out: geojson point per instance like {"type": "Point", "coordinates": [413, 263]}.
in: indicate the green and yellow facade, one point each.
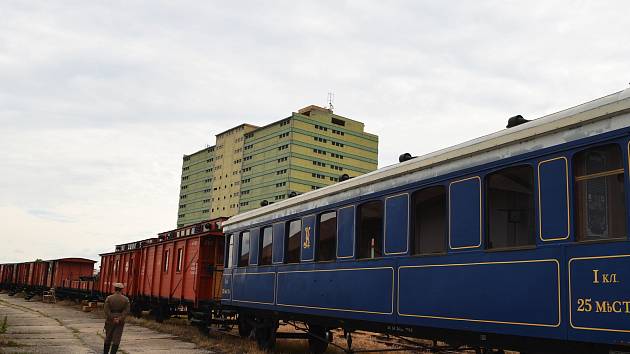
{"type": "Point", "coordinates": [249, 166]}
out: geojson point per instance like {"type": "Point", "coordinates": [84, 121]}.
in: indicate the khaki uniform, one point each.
{"type": "Point", "coordinates": [116, 307]}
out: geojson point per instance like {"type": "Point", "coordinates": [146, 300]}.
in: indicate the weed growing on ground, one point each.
{"type": "Point", "coordinates": [3, 326]}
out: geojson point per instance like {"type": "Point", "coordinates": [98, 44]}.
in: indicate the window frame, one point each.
{"type": "Point", "coordinates": [358, 227]}
{"type": "Point", "coordinates": [318, 239]}
{"type": "Point", "coordinates": [412, 223]}
{"type": "Point", "coordinates": [261, 238]}
{"type": "Point", "coordinates": [287, 238]}
{"type": "Point", "coordinates": [623, 159]}
{"type": "Point", "coordinates": [240, 248]}
{"type": "Point", "coordinates": [180, 260]}
{"type": "Point", "coordinates": [486, 211]}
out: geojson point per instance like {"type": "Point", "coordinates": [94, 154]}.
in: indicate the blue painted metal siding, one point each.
{"type": "Point", "coordinates": [360, 290]}
{"type": "Point", "coordinates": [345, 232]}
{"type": "Point", "coordinates": [465, 213]}
{"type": "Point", "coordinates": [397, 224]}
{"type": "Point", "coordinates": [254, 245]}
{"type": "Point", "coordinates": [255, 288]}
{"type": "Point", "coordinates": [519, 292]}
{"type": "Point", "coordinates": [553, 199]}
{"type": "Point", "coordinates": [279, 236]}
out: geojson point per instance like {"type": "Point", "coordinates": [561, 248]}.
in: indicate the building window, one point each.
{"type": "Point", "coordinates": [370, 230]}
{"type": "Point", "coordinates": [266, 246]}
{"type": "Point", "coordinates": [327, 242]}
{"type": "Point", "coordinates": [293, 241]}
{"type": "Point", "coordinates": [510, 207]}
{"type": "Point", "coordinates": [600, 208]}
{"type": "Point", "coordinates": [243, 260]}
{"type": "Point", "coordinates": [180, 259]}
{"type": "Point", "coordinates": [166, 261]}
{"type": "Point", "coordinates": [429, 220]}
{"type": "Point", "coordinates": [338, 122]}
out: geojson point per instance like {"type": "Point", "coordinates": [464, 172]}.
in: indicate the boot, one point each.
{"type": "Point", "coordinates": [114, 348]}
{"type": "Point", "coordinates": [106, 348]}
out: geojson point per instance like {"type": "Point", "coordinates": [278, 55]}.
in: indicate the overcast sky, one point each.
{"type": "Point", "coordinates": [100, 100]}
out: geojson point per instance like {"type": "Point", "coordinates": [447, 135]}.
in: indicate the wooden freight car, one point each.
{"type": "Point", "coordinates": [70, 277]}
{"type": "Point", "coordinates": [181, 271]}
{"type": "Point", "coordinates": [120, 266]}
{"type": "Point", "coordinates": [7, 274]}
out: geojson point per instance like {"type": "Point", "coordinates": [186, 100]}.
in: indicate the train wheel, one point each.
{"type": "Point", "coordinates": [244, 327]}
{"type": "Point", "coordinates": [317, 343]}
{"type": "Point", "coordinates": [265, 337]}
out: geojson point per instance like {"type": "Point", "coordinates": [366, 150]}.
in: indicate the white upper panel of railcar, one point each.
{"type": "Point", "coordinates": [591, 118]}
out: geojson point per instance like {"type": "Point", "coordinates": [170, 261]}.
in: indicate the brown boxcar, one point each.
{"type": "Point", "coordinates": [62, 272]}
{"type": "Point", "coordinates": [120, 266]}
{"type": "Point", "coordinates": [7, 275]}
{"type": "Point", "coordinates": [182, 268]}
{"type": "Point", "coordinates": [37, 274]}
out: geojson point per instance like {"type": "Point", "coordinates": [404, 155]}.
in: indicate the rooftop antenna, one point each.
{"type": "Point", "coordinates": [331, 99]}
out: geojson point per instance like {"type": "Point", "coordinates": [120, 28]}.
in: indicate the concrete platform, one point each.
{"type": "Point", "coordinates": [37, 327]}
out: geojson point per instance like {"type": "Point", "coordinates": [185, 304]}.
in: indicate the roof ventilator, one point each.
{"type": "Point", "coordinates": [515, 121]}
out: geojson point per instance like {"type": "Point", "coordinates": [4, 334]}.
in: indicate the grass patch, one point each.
{"type": "Point", "coordinates": [4, 325]}
{"type": "Point", "coordinates": [10, 344]}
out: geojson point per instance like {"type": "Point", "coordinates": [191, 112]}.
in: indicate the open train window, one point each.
{"type": "Point", "coordinates": [266, 246]}
{"type": "Point", "coordinates": [510, 207]}
{"type": "Point", "coordinates": [293, 241]}
{"type": "Point", "coordinates": [429, 223]}
{"type": "Point", "coordinates": [600, 208]}
{"type": "Point", "coordinates": [327, 242]}
{"type": "Point", "coordinates": [180, 259]}
{"type": "Point", "coordinates": [230, 252]}
{"type": "Point", "coordinates": [243, 259]}
{"type": "Point", "coordinates": [370, 230]}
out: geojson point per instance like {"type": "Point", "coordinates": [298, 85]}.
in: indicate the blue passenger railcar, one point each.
{"type": "Point", "coordinates": [517, 240]}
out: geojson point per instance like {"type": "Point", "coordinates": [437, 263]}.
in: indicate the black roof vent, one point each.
{"type": "Point", "coordinates": [515, 121]}
{"type": "Point", "coordinates": [405, 157]}
{"type": "Point", "coordinates": [264, 203]}
{"type": "Point", "coordinates": [292, 194]}
{"type": "Point", "coordinates": [344, 177]}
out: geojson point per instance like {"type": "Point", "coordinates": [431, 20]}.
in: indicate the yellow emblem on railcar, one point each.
{"type": "Point", "coordinates": [307, 237]}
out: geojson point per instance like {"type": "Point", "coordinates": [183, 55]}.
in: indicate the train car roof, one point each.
{"type": "Point", "coordinates": [533, 135]}
{"type": "Point", "coordinates": [72, 259]}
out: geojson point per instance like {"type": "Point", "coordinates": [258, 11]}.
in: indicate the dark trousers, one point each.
{"type": "Point", "coordinates": [113, 332]}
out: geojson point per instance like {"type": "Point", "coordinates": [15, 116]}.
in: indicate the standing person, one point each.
{"type": "Point", "coordinates": [116, 310]}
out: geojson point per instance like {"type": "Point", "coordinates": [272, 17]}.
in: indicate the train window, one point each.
{"type": "Point", "coordinates": [180, 259]}
{"type": "Point", "coordinates": [230, 252]}
{"type": "Point", "coordinates": [267, 245]}
{"type": "Point", "coordinates": [293, 241]}
{"type": "Point", "coordinates": [429, 220]}
{"type": "Point", "coordinates": [326, 244]}
{"type": "Point", "coordinates": [243, 260]}
{"type": "Point", "coordinates": [370, 229]}
{"type": "Point", "coordinates": [510, 207]}
{"type": "Point", "coordinates": [166, 261]}
{"type": "Point", "coordinates": [600, 209]}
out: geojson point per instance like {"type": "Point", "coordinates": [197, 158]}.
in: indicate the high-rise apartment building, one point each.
{"type": "Point", "coordinates": [250, 166]}
{"type": "Point", "coordinates": [310, 149]}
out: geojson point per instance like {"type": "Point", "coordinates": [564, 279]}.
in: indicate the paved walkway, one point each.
{"type": "Point", "coordinates": [36, 327]}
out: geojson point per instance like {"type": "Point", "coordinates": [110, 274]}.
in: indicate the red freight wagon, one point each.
{"type": "Point", "coordinates": [120, 266]}
{"type": "Point", "coordinates": [22, 274]}
{"type": "Point", "coordinates": [7, 273]}
{"type": "Point", "coordinates": [37, 273]}
{"type": "Point", "coordinates": [182, 269]}
{"type": "Point", "coordinates": [65, 270]}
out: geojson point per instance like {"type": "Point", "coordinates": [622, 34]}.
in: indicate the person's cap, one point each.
{"type": "Point", "coordinates": [119, 286]}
